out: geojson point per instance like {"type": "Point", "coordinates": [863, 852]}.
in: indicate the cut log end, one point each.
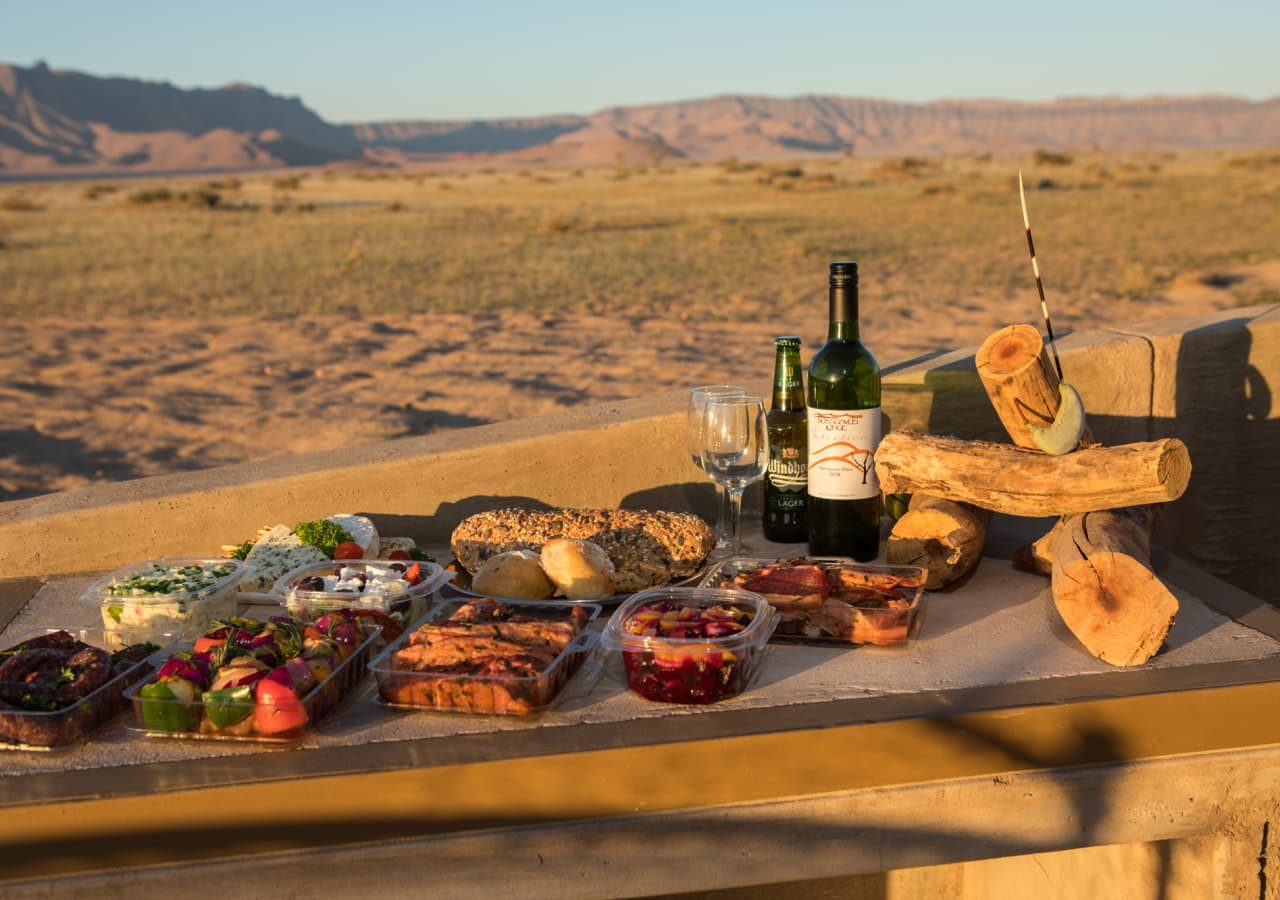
{"type": "Point", "coordinates": [945, 538]}
{"type": "Point", "coordinates": [1104, 589]}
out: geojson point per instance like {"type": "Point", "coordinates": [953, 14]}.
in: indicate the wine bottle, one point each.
{"type": "Point", "coordinates": [844, 431]}
{"type": "Point", "coordinates": [786, 519]}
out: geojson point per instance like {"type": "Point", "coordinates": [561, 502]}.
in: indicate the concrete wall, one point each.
{"type": "Point", "coordinates": [1210, 381]}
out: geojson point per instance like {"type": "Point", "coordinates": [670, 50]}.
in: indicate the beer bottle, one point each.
{"type": "Point", "coordinates": [785, 504]}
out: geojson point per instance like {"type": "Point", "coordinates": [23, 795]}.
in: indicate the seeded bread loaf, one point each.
{"type": "Point", "coordinates": [647, 548]}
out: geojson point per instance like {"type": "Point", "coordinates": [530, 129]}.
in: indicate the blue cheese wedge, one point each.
{"type": "Point", "coordinates": [277, 551]}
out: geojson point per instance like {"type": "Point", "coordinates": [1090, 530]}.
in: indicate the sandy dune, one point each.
{"type": "Point", "coordinates": [117, 399]}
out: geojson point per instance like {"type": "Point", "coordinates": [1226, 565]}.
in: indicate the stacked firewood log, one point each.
{"type": "Point", "coordinates": [1097, 554]}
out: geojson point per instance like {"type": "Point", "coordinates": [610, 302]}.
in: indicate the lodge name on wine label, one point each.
{"type": "Point", "coordinates": [842, 446]}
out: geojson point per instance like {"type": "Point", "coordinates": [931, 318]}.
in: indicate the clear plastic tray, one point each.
{"type": "Point", "coordinates": [406, 606]}
{"type": "Point", "coordinates": [690, 669]}
{"type": "Point", "coordinates": [316, 703]}
{"type": "Point", "coordinates": [25, 729]}
{"type": "Point", "coordinates": [452, 689]}
{"type": "Point", "coordinates": [188, 614]}
{"type": "Point", "coordinates": [840, 618]}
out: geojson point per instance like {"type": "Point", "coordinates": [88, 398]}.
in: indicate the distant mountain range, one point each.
{"type": "Point", "coordinates": [58, 121]}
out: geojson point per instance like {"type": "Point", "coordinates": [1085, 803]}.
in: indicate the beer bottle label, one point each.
{"type": "Point", "coordinates": [787, 470]}
{"type": "Point", "coordinates": [842, 446]}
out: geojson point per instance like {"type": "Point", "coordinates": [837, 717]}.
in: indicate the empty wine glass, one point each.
{"type": "Point", "coordinates": [693, 441]}
{"type": "Point", "coordinates": [735, 451]}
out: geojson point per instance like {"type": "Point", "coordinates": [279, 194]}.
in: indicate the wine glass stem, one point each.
{"type": "Point", "coordinates": [735, 521]}
{"type": "Point", "coordinates": [722, 517]}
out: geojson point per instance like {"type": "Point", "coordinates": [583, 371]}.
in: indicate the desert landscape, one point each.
{"type": "Point", "coordinates": [164, 324]}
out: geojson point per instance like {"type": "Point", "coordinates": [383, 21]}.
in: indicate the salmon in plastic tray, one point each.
{"type": "Point", "coordinates": [832, 600]}
{"type": "Point", "coordinates": [489, 657]}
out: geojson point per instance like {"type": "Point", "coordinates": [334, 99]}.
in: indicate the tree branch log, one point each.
{"type": "Point", "coordinates": [1020, 482]}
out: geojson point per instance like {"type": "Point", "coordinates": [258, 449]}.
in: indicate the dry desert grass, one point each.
{"type": "Point", "coordinates": [165, 324]}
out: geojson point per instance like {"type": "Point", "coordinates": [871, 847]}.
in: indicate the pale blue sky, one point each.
{"type": "Point", "coordinates": [401, 60]}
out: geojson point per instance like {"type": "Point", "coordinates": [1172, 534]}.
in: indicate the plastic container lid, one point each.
{"type": "Point", "coordinates": [756, 634]}
{"type": "Point", "coordinates": [288, 592]}
{"type": "Point", "coordinates": [100, 593]}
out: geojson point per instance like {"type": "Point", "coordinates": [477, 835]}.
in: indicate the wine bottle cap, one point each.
{"type": "Point", "coordinates": [788, 341]}
{"type": "Point", "coordinates": [843, 273]}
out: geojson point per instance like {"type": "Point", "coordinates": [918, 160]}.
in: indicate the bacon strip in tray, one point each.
{"type": "Point", "coordinates": [835, 600]}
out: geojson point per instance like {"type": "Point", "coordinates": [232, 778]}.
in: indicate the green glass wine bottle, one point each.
{"type": "Point", "coordinates": [844, 431]}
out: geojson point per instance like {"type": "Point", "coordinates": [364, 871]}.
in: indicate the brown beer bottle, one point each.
{"type": "Point", "coordinates": [786, 519]}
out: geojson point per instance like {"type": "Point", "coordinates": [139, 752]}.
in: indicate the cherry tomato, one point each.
{"type": "Point", "coordinates": [414, 574]}
{"type": "Point", "coordinates": [278, 708]}
{"type": "Point", "coordinates": [399, 554]}
{"type": "Point", "coordinates": [348, 550]}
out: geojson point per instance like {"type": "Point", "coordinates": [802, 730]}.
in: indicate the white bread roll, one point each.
{"type": "Point", "coordinates": [579, 569]}
{"type": "Point", "coordinates": [515, 573]}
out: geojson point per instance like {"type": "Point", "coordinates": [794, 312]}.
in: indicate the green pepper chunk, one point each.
{"type": "Point", "coordinates": [228, 706]}
{"type": "Point", "coordinates": [162, 710]}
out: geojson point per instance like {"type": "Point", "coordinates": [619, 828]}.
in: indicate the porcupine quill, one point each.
{"type": "Point", "coordinates": [1035, 268]}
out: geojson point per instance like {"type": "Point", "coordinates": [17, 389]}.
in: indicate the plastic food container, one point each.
{"type": "Point", "coordinates": [853, 610]}
{"type": "Point", "coordinates": [222, 719]}
{"type": "Point", "coordinates": [137, 606]}
{"type": "Point", "coordinates": [31, 729]}
{"type": "Point", "coordinates": [405, 605]}
{"type": "Point", "coordinates": [701, 666]}
{"type": "Point", "coordinates": [467, 687]}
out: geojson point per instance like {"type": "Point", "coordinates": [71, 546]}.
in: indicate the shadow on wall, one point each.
{"type": "Point", "coordinates": [1229, 519]}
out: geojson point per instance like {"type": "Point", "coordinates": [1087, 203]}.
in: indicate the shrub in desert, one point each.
{"type": "Point", "coordinates": [94, 191]}
{"type": "Point", "coordinates": [19, 203]}
{"type": "Point", "coordinates": [1051, 158]}
{"type": "Point", "coordinates": [287, 183]}
{"type": "Point", "coordinates": [151, 195]}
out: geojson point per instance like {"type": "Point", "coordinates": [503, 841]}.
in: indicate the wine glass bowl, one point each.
{"type": "Point", "coordinates": [735, 451]}
{"type": "Point", "coordinates": [698, 398]}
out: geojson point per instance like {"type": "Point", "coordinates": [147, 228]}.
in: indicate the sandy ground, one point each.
{"type": "Point", "coordinates": [115, 399]}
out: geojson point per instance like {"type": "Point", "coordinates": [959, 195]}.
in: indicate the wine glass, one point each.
{"type": "Point", "coordinates": [693, 441]}
{"type": "Point", "coordinates": [735, 451]}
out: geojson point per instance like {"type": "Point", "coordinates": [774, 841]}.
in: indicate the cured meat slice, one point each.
{"type": "Point", "coordinates": [789, 579]}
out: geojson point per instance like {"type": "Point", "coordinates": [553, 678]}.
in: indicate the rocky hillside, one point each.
{"type": "Point", "coordinates": [58, 120]}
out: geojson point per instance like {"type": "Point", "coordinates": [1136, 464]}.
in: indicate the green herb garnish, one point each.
{"type": "Point", "coordinates": [417, 554]}
{"type": "Point", "coordinates": [323, 535]}
{"type": "Point", "coordinates": [242, 551]}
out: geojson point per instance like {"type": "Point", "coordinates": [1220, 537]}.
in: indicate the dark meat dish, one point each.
{"type": "Point", "coordinates": [54, 688]}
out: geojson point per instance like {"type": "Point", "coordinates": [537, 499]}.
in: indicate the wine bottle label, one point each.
{"type": "Point", "coordinates": [842, 447]}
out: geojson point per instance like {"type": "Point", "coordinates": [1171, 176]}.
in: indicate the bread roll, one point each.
{"type": "Point", "coordinates": [515, 573]}
{"type": "Point", "coordinates": [579, 569]}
